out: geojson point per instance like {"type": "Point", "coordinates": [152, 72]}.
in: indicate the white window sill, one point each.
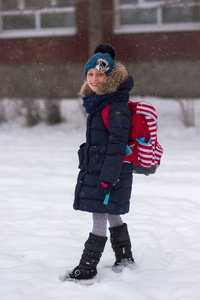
{"type": "Point", "coordinates": [38, 33]}
{"type": "Point", "coordinates": [157, 28]}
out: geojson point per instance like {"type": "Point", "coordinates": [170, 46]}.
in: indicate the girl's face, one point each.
{"type": "Point", "coordinates": [94, 78]}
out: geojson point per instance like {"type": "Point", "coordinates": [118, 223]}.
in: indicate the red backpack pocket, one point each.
{"type": "Point", "coordinates": [144, 154]}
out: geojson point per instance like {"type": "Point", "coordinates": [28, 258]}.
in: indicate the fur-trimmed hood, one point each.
{"type": "Point", "coordinates": [110, 84]}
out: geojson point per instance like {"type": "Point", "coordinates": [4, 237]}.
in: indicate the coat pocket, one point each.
{"type": "Point", "coordinates": [97, 156]}
{"type": "Point", "coordinates": [81, 156]}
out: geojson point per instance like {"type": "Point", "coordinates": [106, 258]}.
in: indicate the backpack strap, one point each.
{"type": "Point", "coordinates": [105, 115]}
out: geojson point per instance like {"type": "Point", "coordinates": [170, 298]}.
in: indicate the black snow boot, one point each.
{"type": "Point", "coordinates": [121, 244]}
{"type": "Point", "coordinates": [92, 252]}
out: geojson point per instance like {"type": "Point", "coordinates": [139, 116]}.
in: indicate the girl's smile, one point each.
{"type": "Point", "coordinates": [94, 78]}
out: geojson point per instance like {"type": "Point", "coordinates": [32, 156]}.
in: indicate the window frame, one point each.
{"type": "Point", "coordinates": [38, 31]}
{"type": "Point", "coordinates": [158, 27]}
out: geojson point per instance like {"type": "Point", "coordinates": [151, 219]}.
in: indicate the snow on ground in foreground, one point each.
{"type": "Point", "coordinates": [42, 236]}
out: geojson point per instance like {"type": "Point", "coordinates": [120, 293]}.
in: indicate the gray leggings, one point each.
{"type": "Point", "coordinates": [100, 223]}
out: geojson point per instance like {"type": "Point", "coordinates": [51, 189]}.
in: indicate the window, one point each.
{"type": "Point", "coordinates": [29, 18]}
{"type": "Point", "coordinates": [156, 15]}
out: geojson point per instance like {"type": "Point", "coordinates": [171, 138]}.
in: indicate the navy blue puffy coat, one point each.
{"type": "Point", "coordinates": [101, 159]}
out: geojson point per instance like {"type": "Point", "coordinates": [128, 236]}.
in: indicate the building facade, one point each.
{"type": "Point", "coordinates": [44, 45]}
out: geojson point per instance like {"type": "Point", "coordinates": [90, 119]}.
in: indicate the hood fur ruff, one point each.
{"type": "Point", "coordinates": [110, 84]}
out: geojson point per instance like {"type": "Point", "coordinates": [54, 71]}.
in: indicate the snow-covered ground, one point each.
{"type": "Point", "coordinates": [42, 236]}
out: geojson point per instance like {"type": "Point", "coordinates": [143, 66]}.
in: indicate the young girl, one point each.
{"type": "Point", "coordinates": [102, 170]}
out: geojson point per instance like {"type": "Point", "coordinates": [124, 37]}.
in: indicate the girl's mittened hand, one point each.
{"type": "Point", "coordinates": [105, 187]}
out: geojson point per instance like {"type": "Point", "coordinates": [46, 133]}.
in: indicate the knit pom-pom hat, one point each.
{"type": "Point", "coordinates": [105, 48]}
{"type": "Point", "coordinates": [102, 60]}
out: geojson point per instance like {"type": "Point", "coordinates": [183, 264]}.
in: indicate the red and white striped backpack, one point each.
{"type": "Point", "coordinates": [143, 150]}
